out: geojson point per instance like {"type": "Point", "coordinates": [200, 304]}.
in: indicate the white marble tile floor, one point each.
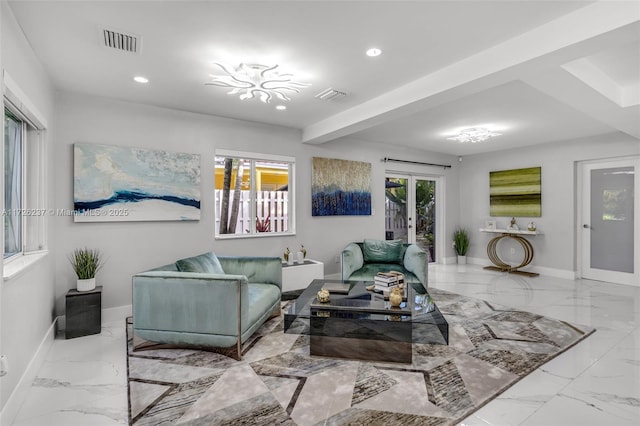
{"type": "Point", "coordinates": [83, 380]}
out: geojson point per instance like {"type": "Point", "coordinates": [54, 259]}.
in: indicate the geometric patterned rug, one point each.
{"type": "Point", "coordinates": [277, 382]}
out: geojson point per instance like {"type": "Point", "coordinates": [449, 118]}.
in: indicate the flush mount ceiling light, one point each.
{"type": "Point", "coordinates": [374, 52]}
{"type": "Point", "coordinates": [141, 79]}
{"type": "Point", "coordinates": [473, 135]}
{"type": "Point", "coordinates": [255, 80]}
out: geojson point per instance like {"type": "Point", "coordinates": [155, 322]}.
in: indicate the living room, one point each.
{"type": "Point", "coordinates": [32, 297]}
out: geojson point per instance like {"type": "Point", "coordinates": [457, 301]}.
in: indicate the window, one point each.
{"type": "Point", "coordinates": [253, 194]}
{"type": "Point", "coordinates": [24, 213]}
{"type": "Point", "coordinates": [13, 179]}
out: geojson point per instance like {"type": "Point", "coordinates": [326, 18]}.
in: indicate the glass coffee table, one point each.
{"type": "Point", "coordinates": [361, 324]}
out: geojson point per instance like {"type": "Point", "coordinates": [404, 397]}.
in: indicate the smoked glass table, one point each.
{"type": "Point", "coordinates": [361, 324]}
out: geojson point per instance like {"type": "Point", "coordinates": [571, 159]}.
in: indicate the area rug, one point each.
{"type": "Point", "coordinates": [277, 382]}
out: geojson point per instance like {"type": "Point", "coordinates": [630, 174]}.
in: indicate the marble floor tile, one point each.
{"type": "Point", "coordinates": [597, 382]}
{"type": "Point", "coordinates": [566, 410]}
{"type": "Point", "coordinates": [83, 381]}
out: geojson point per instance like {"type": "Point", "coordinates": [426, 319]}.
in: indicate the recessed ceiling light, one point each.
{"type": "Point", "coordinates": [141, 79]}
{"type": "Point", "coordinates": [281, 107]}
{"type": "Point", "coordinates": [374, 52]}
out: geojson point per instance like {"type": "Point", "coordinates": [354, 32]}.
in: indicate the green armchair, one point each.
{"type": "Point", "coordinates": [363, 260]}
{"type": "Point", "coordinates": [206, 301]}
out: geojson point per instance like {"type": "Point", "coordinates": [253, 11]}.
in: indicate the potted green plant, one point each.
{"type": "Point", "coordinates": [461, 244]}
{"type": "Point", "coordinates": [86, 263]}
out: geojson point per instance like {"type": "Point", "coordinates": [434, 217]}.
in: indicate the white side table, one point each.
{"type": "Point", "coordinates": [300, 275]}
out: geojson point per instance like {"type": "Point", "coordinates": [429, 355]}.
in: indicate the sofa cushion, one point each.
{"type": "Point", "coordinates": [207, 263]}
{"type": "Point", "coordinates": [262, 298]}
{"type": "Point", "coordinates": [379, 251]}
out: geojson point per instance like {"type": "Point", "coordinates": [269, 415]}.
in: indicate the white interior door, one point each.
{"type": "Point", "coordinates": [610, 232]}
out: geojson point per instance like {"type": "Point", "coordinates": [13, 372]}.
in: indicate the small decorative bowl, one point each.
{"type": "Point", "coordinates": [323, 296]}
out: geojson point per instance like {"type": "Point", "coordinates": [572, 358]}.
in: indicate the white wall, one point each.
{"type": "Point", "coordinates": [2, 7]}
{"type": "Point", "coordinates": [135, 246]}
{"type": "Point", "coordinates": [555, 249]}
{"type": "Point", "coordinates": [27, 301]}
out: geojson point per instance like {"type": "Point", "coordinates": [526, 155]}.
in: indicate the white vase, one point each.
{"type": "Point", "coordinates": [86, 285]}
{"type": "Point", "coordinates": [462, 260]}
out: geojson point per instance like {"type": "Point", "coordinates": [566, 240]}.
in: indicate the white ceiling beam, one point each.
{"type": "Point", "coordinates": [593, 76]}
{"type": "Point", "coordinates": [567, 38]}
{"type": "Point", "coordinates": [565, 87]}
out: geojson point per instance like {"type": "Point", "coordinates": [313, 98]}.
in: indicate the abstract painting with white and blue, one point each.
{"type": "Point", "coordinates": [340, 187]}
{"type": "Point", "coordinates": [113, 183]}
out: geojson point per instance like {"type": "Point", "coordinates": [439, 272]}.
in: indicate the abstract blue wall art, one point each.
{"type": "Point", "coordinates": [340, 187]}
{"type": "Point", "coordinates": [113, 183]}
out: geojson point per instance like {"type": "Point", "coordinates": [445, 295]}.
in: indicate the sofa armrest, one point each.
{"type": "Point", "coordinates": [266, 270]}
{"type": "Point", "coordinates": [190, 302]}
{"type": "Point", "coordinates": [415, 261]}
{"type": "Point", "coordinates": [352, 260]}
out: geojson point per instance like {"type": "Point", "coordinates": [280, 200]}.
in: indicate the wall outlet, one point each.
{"type": "Point", "coordinates": [337, 258]}
{"type": "Point", "coordinates": [513, 251]}
{"type": "Point", "coordinates": [4, 365]}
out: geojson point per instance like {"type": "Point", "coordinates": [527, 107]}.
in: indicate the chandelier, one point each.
{"type": "Point", "coordinates": [255, 80]}
{"type": "Point", "coordinates": [473, 135]}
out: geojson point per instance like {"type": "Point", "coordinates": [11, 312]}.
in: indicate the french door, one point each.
{"type": "Point", "coordinates": [609, 214]}
{"type": "Point", "coordinates": [412, 211]}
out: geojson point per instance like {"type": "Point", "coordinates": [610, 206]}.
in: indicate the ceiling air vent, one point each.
{"type": "Point", "coordinates": [121, 41]}
{"type": "Point", "coordinates": [331, 94]}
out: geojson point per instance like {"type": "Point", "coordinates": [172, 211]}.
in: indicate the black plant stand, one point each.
{"type": "Point", "coordinates": [83, 312]}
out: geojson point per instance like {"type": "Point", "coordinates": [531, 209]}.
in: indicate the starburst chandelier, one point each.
{"type": "Point", "coordinates": [473, 135]}
{"type": "Point", "coordinates": [255, 80]}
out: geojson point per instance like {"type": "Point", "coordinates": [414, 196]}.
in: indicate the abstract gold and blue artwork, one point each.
{"type": "Point", "coordinates": [515, 193]}
{"type": "Point", "coordinates": [340, 187]}
{"type": "Point", "coordinates": [113, 183]}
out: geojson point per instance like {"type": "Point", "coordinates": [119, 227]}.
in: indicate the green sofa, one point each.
{"type": "Point", "coordinates": [206, 301]}
{"type": "Point", "coordinates": [361, 261]}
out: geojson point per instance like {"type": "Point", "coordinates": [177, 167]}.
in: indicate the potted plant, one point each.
{"type": "Point", "coordinates": [461, 244]}
{"type": "Point", "coordinates": [86, 262]}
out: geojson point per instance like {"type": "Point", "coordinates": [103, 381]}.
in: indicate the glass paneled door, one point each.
{"type": "Point", "coordinates": [610, 231]}
{"type": "Point", "coordinates": [410, 211]}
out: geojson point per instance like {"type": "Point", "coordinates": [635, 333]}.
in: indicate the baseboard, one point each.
{"type": "Point", "coordinates": [12, 407]}
{"type": "Point", "coordinates": [336, 276]}
{"type": "Point", "coordinates": [119, 313]}
{"type": "Point", "coordinates": [116, 314]}
{"type": "Point", "coordinates": [551, 272]}
{"type": "Point", "coordinates": [470, 260]}
{"type": "Point", "coordinates": [449, 260]}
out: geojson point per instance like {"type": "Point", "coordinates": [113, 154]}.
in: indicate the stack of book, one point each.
{"type": "Point", "coordinates": [385, 281]}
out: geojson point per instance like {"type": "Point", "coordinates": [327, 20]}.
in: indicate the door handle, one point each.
{"type": "Point", "coordinates": [585, 226]}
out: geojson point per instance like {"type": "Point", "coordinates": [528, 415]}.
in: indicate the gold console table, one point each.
{"type": "Point", "coordinates": [500, 265]}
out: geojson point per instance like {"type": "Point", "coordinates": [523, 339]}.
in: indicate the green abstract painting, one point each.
{"type": "Point", "coordinates": [515, 193]}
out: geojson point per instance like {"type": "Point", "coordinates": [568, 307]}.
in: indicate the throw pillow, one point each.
{"type": "Point", "coordinates": [207, 263]}
{"type": "Point", "coordinates": [378, 251]}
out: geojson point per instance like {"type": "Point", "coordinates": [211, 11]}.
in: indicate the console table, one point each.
{"type": "Point", "coordinates": [517, 235]}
